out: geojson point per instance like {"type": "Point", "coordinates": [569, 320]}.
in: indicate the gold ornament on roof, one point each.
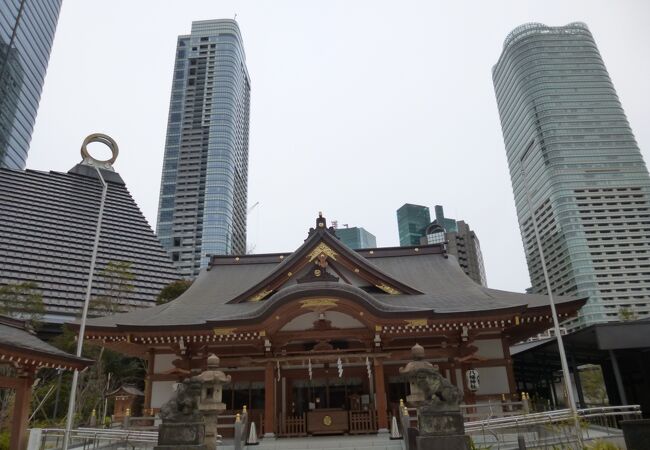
{"type": "Point", "coordinates": [388, 289]}
{"type": "Point", "coordinates": [319, 304]}
{"type": "Point", "coordinates": [223, 331]}
{"type": "Point", "coordinates": [416, 322]}
{"type": "Point", "coordinates": [260, 295]}
{"type": "Point", "coordinates": [322, 249]}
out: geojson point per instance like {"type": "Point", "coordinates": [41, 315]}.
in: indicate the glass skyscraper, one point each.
{"type": "Point", "coordinates": [26, 33]}
{"type": "Point", "coordinates": [567, 138]}
{"type": "Point", "coordinates": [356, 237]}
{"type": "Point", "coordinates": [203, 193]}
{"type": "Point", "coordinates": [411, 223]}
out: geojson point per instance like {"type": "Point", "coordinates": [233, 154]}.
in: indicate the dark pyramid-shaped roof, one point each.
{"type": "Point", "coordinates": [47, 232]}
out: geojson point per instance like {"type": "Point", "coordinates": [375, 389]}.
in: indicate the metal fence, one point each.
{"type": "Point", "coordinates": [98, 438]}
{"type": "Point", "coordinates": [549, 429]}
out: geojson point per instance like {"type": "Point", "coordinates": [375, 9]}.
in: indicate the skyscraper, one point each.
{"type": "Point", "coordinates": [462, 242]}
{"type": "Point", "coordinates": [26, 32]}
{"type": "Point", "coordinates": [411, 222]}
{"type": "Point", "coordinates": [203, 192]}
{"type": "Point", "coordinates": [567, 139]}
{"type": "Point", "coordinates": [356, 237]}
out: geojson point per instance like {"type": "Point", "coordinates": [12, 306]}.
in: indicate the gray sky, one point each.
{"type": "Point", "coordinates": [357, 106]}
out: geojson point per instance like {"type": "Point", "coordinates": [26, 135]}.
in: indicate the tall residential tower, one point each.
{"type": "Point", "coordinates": [203, 193]}
{"type": "Point", "coordinates": [26, 33]}
{"type": "Point", "coordinates": [567, 139]}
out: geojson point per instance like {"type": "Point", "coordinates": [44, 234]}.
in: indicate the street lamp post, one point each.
{"type": "Point", "coordinates": [556, 323]}
{"type": "Point", "coordinates": [82, 327]}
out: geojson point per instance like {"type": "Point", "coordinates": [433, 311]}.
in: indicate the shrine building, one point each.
{"type": "Point", "coordinates": [313, 339]}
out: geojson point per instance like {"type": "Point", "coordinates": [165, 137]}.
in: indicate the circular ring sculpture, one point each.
{"type": "Point", "coordinates": [104, 139]}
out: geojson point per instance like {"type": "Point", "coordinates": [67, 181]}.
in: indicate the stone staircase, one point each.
{"type": "Point", "coordinates": [365, 442]}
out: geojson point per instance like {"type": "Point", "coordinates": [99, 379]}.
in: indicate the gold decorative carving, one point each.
{"type": "Point", "coordinates": [322, 248]}
{"type": "Point", "coordinates": [388, 289]}
{"type": "Point", "coordinates": [260, 295]}
{"type": "Point", "coordinates": [319, 304]}
{"type": "Point", "coordinates": [327, 421]}
{"type": "Point", "coordinates": [378, 328]}
{"type": "Point", "coordinates": [416, 322]}
{"type": "Point", "coordinates": [223, 331]}
{"type": "Point", "coordinates": [262, 333]}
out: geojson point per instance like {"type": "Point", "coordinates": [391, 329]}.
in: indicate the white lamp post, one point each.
{"type": "Point", "coordinates": [556, 323]}
{"type": "Point", "coordinates": [97, 165]}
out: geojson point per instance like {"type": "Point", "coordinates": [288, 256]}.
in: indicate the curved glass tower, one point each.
{"type": "Point", "coordinates": [567, 136]}
{"type": "Point", "coordinates": [203, 193]}
{"type": "Point", "coordinates": [26, 33]}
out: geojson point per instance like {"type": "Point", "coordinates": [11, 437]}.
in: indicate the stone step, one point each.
{"type": "Point", "coordinates": [370, 442]}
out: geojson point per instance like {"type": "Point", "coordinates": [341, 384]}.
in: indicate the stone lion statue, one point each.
{"type": "Point", "coordinates": [183, 406]}
{"type": "Point", "coordinates": [436, 389]}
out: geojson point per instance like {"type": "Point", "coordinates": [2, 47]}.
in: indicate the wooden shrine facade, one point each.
{"type": "Point", "coordinates": [22, 354]}
{"type": "Point", "coordinates": [313, 340]}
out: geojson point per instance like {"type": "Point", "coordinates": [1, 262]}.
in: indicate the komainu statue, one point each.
{"type": "Point", "coordinates": [182, 427]}
{"type": "Point", "coordinates": [183, 406]}
{"type": "Point", "coordinates": [428, 387]}
{"type": "Point", "coordinates": [440, 422]}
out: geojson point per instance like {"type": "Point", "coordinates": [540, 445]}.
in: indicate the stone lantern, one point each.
{"type": "Point", "coordinates": [210, 402]}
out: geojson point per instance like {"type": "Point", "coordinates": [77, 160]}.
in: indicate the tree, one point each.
{"type": "Point", "coordinates": [593, 384]}
{"type": "Point", "coordinates": [118, 280]}
{"type": "Point", "coordinates": [172, 291]}
{"type": "Point", "coordinates": [626, 314]}
{"type": "Point", "coordinates": [22, 301]}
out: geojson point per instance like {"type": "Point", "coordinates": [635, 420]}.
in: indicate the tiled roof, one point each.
{"type": "Point", "coordinates": [442, 286]}
{"type": "Point", "coordinates": [47, 232]}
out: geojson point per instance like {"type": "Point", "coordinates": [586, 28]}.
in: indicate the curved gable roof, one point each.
{"type": "Point", "coordinates": [428, 281]}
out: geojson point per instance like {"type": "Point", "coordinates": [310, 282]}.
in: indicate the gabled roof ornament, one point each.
{"type": "Point", "coordinates": [321, 224]}
{"type": "Point", "coordinates": [106, 140]}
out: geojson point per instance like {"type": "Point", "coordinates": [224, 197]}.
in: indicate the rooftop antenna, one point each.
{"type": "Point", "coordinates": [235, 16]}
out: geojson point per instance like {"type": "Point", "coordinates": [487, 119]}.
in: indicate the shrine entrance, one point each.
{"type": "Point", "coordinates": [319, 398]}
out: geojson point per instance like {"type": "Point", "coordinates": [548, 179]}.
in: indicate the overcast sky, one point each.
{"type": "Point", "coordinates": [356, 107]}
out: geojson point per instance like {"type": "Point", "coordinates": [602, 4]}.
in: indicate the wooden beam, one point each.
{"type": "Point", "coordinates": [10, 382]}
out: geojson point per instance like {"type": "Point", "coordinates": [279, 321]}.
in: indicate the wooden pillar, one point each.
{"type": "Point", "coordinates": [21, 412]}
{"type": "Point", "coordinates": [380, 396]}
{"type": "Point", "coordinates": [148, 383]}
{"type": "Point", "coordinates": [510, 371]}
{"type": "Point", "coordinates": [269, 400]}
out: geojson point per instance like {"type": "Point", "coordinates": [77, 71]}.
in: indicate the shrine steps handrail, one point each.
{"type": "Point", "coordinates": [554, 416]}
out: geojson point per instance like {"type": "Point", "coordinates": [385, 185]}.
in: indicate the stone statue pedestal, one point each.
{"type": "Point", "coordinates": [440, 421]}
{"type": "Point", "coordinates": [181, 436]}
{"type": "Point", "coordinates": [441, 430]}
{"type": "Point", "coordinates": [436, 422]}
{"type": "Point", "coordinates": [458, 442]}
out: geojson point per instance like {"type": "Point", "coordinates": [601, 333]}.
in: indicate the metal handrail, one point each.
{"type": "Point", "coordinates": [551, 417]}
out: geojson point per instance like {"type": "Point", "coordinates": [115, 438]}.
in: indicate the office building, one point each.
{"type": "Point", "coordinates": [462, 242]}
{"type": "Point", "coordinates": [570, 146]}
{"type": "Point", "coordinates": [26, 33]}
{"type": "Point", "coordinates": [356, 237]}
{"type": "Point", "coordinates": [203, 193]}
{"type": "Point", "coordinates": [411, 223]}
{"type": "Point", "coordinates": [47, 233]}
